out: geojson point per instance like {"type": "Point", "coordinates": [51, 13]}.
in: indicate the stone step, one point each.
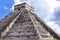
{"type": "Point", "coordinates": [46, 39]}
{"type": "Point", "coordinates": [26, 23]}
{"type": "Point", "coordinates": [24, 26]}
{"type": "Point", "coordinates": [21, 30]}
{"type": "Point", "coordinates": [22, 38]}
{"type": "Point", "coordinates": [23, 34]}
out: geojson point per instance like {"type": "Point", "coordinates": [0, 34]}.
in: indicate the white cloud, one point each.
{"type": "Point", "coordinates": [15, 3]}
{"type": "Point", "coordinates": [5, 8]}
{"type": "Point", "coordinates": [54, 26]}
{"type": "Point", "coordinates": [52, 4]}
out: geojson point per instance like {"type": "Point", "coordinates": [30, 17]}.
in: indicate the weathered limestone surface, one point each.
{"type": "Point", "coordinates": [5, 21]}
{"type": "Point", "coordinates": [43, 33]}
{"type": "Point", "coordinates": [23, 29]}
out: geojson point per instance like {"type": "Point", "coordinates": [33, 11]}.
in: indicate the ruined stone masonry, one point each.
{"type": "Point", "coordinates": [24, 24]}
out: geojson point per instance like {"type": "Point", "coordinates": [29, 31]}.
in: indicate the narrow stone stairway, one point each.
{"type": "Point", "coordinates": [23, 29]}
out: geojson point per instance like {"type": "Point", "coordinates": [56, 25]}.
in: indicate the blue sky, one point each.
{"type": "Point", "coordinates": [47, 10]}
{"type": "Point", "coordinates": [5, 7]}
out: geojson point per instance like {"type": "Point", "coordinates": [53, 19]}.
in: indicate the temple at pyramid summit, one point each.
{"type": "Point", "coordinates": [24, 24]}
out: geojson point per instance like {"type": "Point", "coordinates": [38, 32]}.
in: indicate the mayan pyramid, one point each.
{"type": "Point", "coordinates": [24, 24]}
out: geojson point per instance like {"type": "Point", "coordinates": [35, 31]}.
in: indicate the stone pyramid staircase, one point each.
{"type": "Point", "coordinates": [23, 24]}
{"type": "Point", "coordinates": [23, 29]}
